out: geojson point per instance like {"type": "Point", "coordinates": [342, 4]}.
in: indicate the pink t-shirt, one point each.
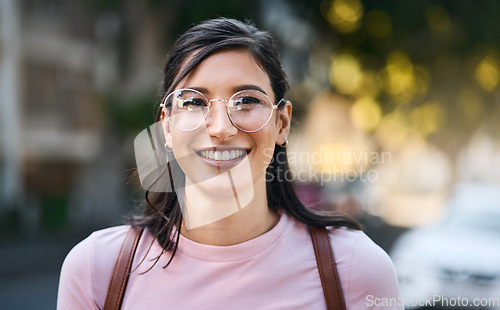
{"type": "Point", "coordinates": [276, 270]}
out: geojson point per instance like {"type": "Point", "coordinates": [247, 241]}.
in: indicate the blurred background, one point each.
{"type": "Point", "coordinates": [396, 108]}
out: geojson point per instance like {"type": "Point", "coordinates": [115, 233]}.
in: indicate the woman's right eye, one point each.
{"type": "Point", "coordinates": [191, 102]}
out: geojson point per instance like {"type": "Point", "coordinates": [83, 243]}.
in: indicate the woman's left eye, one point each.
{"type": "Point", "coordinates": [247, 100]}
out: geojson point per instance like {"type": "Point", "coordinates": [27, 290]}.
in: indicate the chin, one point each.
{"type": "Point", "coordinates": [226, 183]}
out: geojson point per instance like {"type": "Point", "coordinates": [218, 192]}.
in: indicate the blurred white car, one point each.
{"type": "Point", "coordinates": [455, 262]}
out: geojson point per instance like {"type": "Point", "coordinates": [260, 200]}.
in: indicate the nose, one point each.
{"type": "Point", "coordinates": [218, 123]}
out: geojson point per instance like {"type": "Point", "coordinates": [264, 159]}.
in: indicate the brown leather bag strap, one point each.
{"type": "Point", "coordinates": [121, 271]}
{"type": "Point", "coordinates": [327, 268]}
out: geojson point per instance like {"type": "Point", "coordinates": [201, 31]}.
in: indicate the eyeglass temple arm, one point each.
{"type": "Point", "coordinates": [275, 106]}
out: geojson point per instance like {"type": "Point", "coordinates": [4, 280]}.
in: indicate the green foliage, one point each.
{"type": "Point", "coordinates": [194, 11]}
{"type": "Point", "coordinates": [54, 211]}
{"type": "Point", "coordinates": [130, 115]}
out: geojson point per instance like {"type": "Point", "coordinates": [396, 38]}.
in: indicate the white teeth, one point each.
{"type": "Point", "coordinates": [224, 155]}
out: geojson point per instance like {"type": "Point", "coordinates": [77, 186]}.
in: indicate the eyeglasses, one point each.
{"type": "Point", "coordinates": [249, 110]}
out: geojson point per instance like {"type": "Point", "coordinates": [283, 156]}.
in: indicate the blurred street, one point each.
{"type": "Point", "coordinates": [29, 273]}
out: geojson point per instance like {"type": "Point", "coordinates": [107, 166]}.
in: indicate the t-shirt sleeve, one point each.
{"type": "Point", "coordinates": [372, 278]}
{"type": "Point", "coordinates": [87, 270]}
{"type": "Point", "coordinates": [75, 282]}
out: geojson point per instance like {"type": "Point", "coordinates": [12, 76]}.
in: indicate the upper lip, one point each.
{"type": "Point", "coordinates": [221, 148]}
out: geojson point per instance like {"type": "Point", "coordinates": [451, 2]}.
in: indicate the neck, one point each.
{"type": "Point", "coordinates": [205, 220]}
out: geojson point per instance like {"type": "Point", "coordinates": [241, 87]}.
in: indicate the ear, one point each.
{"type": "Point", "coordinates": [166, 128]}
{"type": "Point", "coordinates": [284, 122]}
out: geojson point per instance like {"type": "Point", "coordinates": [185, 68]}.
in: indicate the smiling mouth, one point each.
{"type": "Point", "coordinates": [222, 157]}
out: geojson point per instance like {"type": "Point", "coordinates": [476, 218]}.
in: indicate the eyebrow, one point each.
{"type": "Point", "coordinates": [248, 86]}
{"type": "Point", "coordinates": [236, 89]}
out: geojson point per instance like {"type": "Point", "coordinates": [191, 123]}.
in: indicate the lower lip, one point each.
{"type": "Point", "coordinates": [222, 164]}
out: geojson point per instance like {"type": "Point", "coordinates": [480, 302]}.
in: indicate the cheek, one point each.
{"type": "Point", "coordinates": [183, 154]}
{"type": "Point", "coordinates": [267, 136]}
{"type": "Point", "coordinates": [180, 143]}
{"type": "Point", "coordinates": [265, 147]}
{"type": "Point", "coordinates": [267, 156]}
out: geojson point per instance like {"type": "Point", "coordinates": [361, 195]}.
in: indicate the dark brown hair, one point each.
{"type": "Point", "coordinates": [162, 211]}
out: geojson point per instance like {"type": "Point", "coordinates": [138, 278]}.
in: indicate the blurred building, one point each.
{"type": "Point", "coordinates": [59, 156]}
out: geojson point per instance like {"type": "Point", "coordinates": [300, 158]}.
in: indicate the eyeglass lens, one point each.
{"type": "Point", "coordinates": [249, 110]}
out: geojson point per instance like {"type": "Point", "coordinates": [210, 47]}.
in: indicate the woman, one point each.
{"type": "Point", "coordinates": [231, 234]}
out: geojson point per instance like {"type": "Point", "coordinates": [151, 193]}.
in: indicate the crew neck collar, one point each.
{"type": "Point", "coordinates": [233, 252]}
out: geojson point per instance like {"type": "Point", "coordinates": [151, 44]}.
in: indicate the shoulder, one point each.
{"type": "Point", "coordinates": [366, 270]}
{"type": "Point", "coordinates": [87, 269]}
{"type": "Point", "coordinates": [356, 242]}
{"type": "Point", "coordinates": [99, 248]}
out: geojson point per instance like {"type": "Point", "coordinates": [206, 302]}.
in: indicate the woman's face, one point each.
{"type": "Point", "coordinates": [243, 155]}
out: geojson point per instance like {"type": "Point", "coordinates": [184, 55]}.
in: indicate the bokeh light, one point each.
{"type": "Point", "coordinates": [398, 78]}
{"type": "Point", "coordinates": [366, 113]}
{"type": "Point", "coordinates": [346, 74]}
{"type": "Point", "coordinates": [438, 18]}
{"type": "Point", "coordinates": [369, 86]}
{"type": "Point", "coordinates": [487, 73]}
{"type": "Point", "coordinates": [345, 15]}
{"type": "Point", "coordinates": [427, 117]}
{"type": "Point", "coordinates": [392, 130]}
{"type": "Point", "coordinates": [333, 158]}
